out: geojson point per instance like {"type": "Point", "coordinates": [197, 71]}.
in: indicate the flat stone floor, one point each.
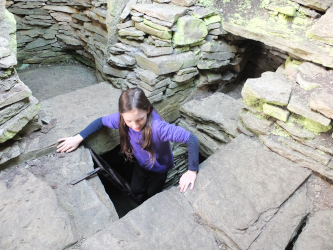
{"type": "Point", "coordinates": [47, 81]}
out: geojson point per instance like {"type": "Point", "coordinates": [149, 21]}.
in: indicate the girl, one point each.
{"type": "Point", "coordinates": [144, 135]}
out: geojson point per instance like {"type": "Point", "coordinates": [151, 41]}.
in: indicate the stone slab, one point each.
{"type": "Point", "coordinates": [207, 145]}
{"type": "Point", "coordinates": [163, 34]}
{"type": "Point", "coordinates": [152, 51]}
{"type": "Point", "coordinates": [169, 13]}
{"type": "Point", "coordinates": [73, 112]}
{"type": "Point", "coordinates": [273, 144]}
{"type": "Point", "coordinates": [8, 61]}
{"type": "Point", "coordinates": [131, 31]}
{"type": "Point", "coordinates": [184, 34]}
{"type": "Point", "coordinates": [317, 5]}
{"type": "Point", "coordinates": [296, 130]}
{"type": "Point", "coordinates": [256, 123]}
{"type": "Point", "coordinates": [218, 108]}
{"type": "Point", "coordinates": [166, 221]}
{"type": "Point", "coordinates": [28, 206]}
{"type": "Point", "coordinates": [305, 83]}
{"type": "Point", "coordinates": [300, 106]}
{"type": "Point", "coordinates": [87, 203]}
{"type": "Point", "coordinates": [271, 88]}
{"type": "Point", "coordinates": [166, 64]}
{"type": "Point", "coordinates": [148, 77]}
{"type": "Point", "coordinates": [9, 151]}
{"type": "Point", "coordinates": [10, 128]}
{"type": "Point", "coordinates": [66, 9]}
{"type": "Point", "coordinates": [322, 30]}
{"type": "Point", "coordinates": [115, 72]}
{"type": "Point", "coordinates": [318, 232]}
{"type": "Point", "coordinates": [322, 102]}
{"type": "Point", "coordinates": [310, 152]}
{"type": "Point", "coordinates": [241, 193]}
{"type": "Point", "coordinates": [280, 230]}
{"type": "Point", "coordinates": [8, 112]}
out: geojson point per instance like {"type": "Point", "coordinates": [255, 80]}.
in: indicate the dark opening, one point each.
{"type": "Point", "coordinates": [123, 203]}
{"type": "Point", "coordinates": [297, 233]}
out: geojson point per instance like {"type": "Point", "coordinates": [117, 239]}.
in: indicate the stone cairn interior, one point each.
{"type": "Point", "coordinates": [253, 80]}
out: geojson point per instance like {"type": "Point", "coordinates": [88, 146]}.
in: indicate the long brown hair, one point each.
{"type": "Point", "coordinates": [130, 99]}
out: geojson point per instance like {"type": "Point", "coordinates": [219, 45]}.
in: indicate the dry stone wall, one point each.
{"type": "Point", "coordinates": [291, 111]}
{"type": "Point", "coordinates": [18, 108]}
{"type": "Point", "coordinates": [165, 49]}
{"type": "Point", "coordinates": [55, 31]}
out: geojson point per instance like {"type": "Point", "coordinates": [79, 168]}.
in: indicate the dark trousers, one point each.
{"type": "Point", "coordinates": [146, 183]}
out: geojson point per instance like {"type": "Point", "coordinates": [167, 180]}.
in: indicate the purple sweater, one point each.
{"type": "Point", "coordinates": [162, 133]}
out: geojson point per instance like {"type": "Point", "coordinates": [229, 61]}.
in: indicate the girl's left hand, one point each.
{"type": "Point", "coordinates": [187, 179]}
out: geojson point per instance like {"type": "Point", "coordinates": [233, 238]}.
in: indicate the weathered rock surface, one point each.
{"type": "Point", "coordinates": [317, 233]}
{"type": "Point", "coordinates": [253, 21]}
{"type": "Point", "coordinates": [260, 171]}
{"type": "Point", "coordinates": [322, 101]}
{"type": "Point", "coordinates": [169, 13]}
{"type": "Point", "coordinates": [166, 64]}
{"type": "Point", "coordinates": [322, 29]}
{"type": "Point", "coordinates": [256, 123]}
{"type": "Point", "coordinates": [273, 143]}
{"type": "Point", "coordinates": [184, 34]}
{"type": "Point", "coordinates": [143, 228]}
{"type": "Point", "coordinates": [9, 129]}
{"type": "Point", "coordinates": [271, 88]}
{"type": "Point", "coordinates": [23, 223]}
{"type": "Point", "coordinates": [39, 208]}
{"type": "Point", "coordinates": [73, 112]}
{"type": "Point", "coordinates": [210, 213]}
{"type": "Point", "coordinates": [218, 108]}
{"type": "Point", "coordinates": [281, 228]}
{"type": "Point", "coordinates": [299, 105]}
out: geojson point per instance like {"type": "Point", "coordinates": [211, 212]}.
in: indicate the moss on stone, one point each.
{"type": "Point", "coordinates": [275, 112]}
{"type": "Point", "coordinates": [279, 131]}
{"type": "Point", "coordinates": [315, 126]}
{"type": "Point", "coordinates": [291, 63]}
{"type": "Point", "coordinates": [212, 19]}
{"type": "Point", "coordinates": [308, 124]}
{"type": "Point", "coordinates": [207, 3]}
{"type": "Point", "coordinates": [6, 74]}
{"type": "Point", "coordinates": [287, 10]}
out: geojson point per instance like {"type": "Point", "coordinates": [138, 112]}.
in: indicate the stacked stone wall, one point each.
{"type": "Point", "coordinates": [55, 31]}
{"type": "Point", "coordinates": [291, 112]}
{"type": "Point", "coordinates": [18, 108]}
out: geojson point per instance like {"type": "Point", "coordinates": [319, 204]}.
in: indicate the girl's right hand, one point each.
{"type": "Point", "coordinates": [69, 144]}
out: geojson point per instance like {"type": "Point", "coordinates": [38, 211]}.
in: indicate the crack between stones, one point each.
{"type": "Point", "coordinates": [278, 209]}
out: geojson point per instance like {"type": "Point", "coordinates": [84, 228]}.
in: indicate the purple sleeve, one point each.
{"type": "Point", "coordinates": [111, 121]}
{"type": "Point", "coordinates": [193, 153]}
{"type": "Point", "coordinates": [170, 132]}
